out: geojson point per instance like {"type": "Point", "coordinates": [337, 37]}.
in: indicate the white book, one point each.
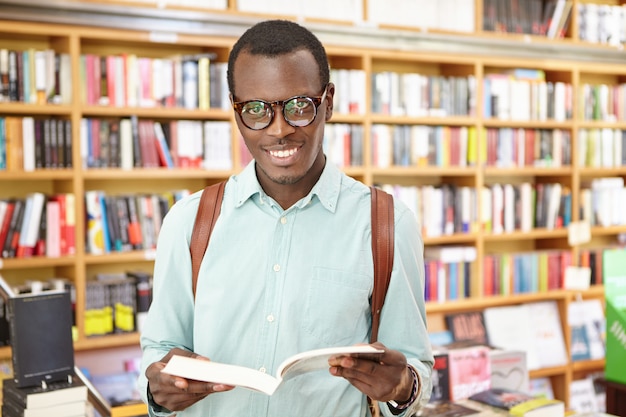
{"type": "Point", "coordinates": [554, 203]}
{"type": "Point", "coordinates": [590, 315]}
{"type": "Point", "coordinates": [31, 232]}
{"type": "Point", "coordinates": [126, 145]}
{"type": "Point", "coordinates": [133, 92]}
{"type": "Point", "coordinates": [53, 229]}
{"type": "Point", "coordinates": [526, 194]}
{"type": "Point", "coordinates": [582, 397]}
{"type": "Point", "coordinates": [236, 375]}
{"type": "Point", "coordinates": [503, 335]}
{"type": "Point", "coordinates": [28, 143]}
{"type": "Point", "coordinates": [547, 337]}
{"type": "Point", "coordinates": [498, 208]}
{"type": "Point", "coordinates": [509, 208]}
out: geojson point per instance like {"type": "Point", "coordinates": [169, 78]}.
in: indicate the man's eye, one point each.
{"type": "Point", "coordinates": [255, 109]}
{"type": "Point", "coordinates": [296, 106]}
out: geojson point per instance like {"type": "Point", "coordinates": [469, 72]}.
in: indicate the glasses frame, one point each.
{"type": "Point", "coordinates": [316, 100]}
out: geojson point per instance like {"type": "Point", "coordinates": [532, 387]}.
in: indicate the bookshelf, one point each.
{"type": "Point", "coordinates": [433, 52]}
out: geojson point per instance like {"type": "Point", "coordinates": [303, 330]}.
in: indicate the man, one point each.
{"type": "Point", "coordinates": [289, 265]}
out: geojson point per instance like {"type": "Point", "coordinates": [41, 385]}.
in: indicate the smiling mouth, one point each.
{"type": "Point", "coordinates": [283, 153]}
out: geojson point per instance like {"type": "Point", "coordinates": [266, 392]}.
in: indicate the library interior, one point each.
{"type": "Point", "coordinates": [500, 124]}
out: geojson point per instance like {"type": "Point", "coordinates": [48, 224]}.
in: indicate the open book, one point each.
{"type": "Point", "coordinates": [313, 360]}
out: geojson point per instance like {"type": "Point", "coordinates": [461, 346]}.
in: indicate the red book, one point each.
{"type": "Point", "coordinates": [110, 69]}
{"type": "Point", "coordinates": [60, 198]}
{"type": "Point", "coordinates": [6, 224]}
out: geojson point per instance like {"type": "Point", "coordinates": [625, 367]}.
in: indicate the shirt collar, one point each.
{"type": "Point", "coordinates": [326, 189]}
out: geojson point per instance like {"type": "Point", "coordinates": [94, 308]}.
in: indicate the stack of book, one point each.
{"type": "Point", "coordinates": [58, 399]}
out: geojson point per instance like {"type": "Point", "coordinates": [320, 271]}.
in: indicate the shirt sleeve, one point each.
{"type": "Point", "coordinates": [403, 318]}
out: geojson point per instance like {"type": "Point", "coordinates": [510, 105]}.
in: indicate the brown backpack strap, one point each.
{"type": "Point", "coordinates": [382, 251]}
{"type": "Point", "coordinates": [208, 211]}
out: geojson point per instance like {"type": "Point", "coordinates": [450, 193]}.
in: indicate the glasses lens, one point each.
{"type": "Point", "coordinates": [256, 114]}
{"type": "Point", "coordinates": [299, 111]}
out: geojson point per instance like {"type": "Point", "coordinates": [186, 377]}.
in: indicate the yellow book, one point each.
{"type": "Point", "coordinates": [203, 83]}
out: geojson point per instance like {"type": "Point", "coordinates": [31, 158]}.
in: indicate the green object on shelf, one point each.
{"type": "Point", "coordinates": [615, 295]}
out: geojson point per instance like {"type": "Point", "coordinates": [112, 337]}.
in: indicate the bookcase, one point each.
{"type": "Point", "coordinates": [572, 172]}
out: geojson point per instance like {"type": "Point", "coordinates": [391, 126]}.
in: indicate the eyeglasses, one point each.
{"type": "Point", "coordinates": [298, 111]}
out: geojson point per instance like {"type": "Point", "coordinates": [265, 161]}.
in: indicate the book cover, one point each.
{"type": "Point", "coordinates": [293, 366]}
{"type": "Point", "coordinates": [470, 371]}
{"type": "Point", "coordinates": [509, 369]}
{"type": "Point", "coordinates": [41, 337]}
{"type": "Point", "coordinates": [520, 403]}
{"type": "Point", "coordinates": [468, 326]}
{"type": "Point", "coordinates": [440, 378]}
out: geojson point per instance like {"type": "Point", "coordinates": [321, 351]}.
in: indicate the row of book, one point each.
{"type": "Point", "coordinates": [117, 302]}
{"type": "Point", "coordinates": [419, 145]}
{"type": "Point", "coordinates": [602, 202]}
{"type": "Point", "coordinates": [419, 95]}
{"type": "Point", "coordinates": [531, 17]}
{"type": "Point", "coordinates": [142, 143]}
{"type": "Point", "coordinates": [350, 94]}
{"type": "Point", "coordinates": [343, 144]}
{"type": "Point", "coordinates": [123, 223]}
{"type": "Point", "coordinates": [524, 272]}
{"type": "Point", "coordinates": [525, 94]}
{"type": "Point", "coordinates": [38, 225]}
{"type": "Point", "coordinates": [35, 76]}
{"type": "Point", "coordinates": [602, 23]}
{"type": "Point", "coordinates": [601, 148]}
{"type": "Point", "coordinates": [448, 272]}
{"type": "Point", "coordinates": [448, 209]}
{"type": "Point", "coordinates": [519, 147]}
{"type": "Point", "coordinates": [602, 102]}
{"type": "Point", "coordinates": [126, 80]}
{"type": "Point", "coordinates": [27, 143]}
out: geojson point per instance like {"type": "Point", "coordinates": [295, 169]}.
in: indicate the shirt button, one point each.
{"type": "Point", "coordinates": [262, 369]}
{"type": "Point", "coordinates": [270, 318]}
{"type": "Point", "coordinates": [276, 268]}
{"type": "Point", "coordinates": [283, 220]}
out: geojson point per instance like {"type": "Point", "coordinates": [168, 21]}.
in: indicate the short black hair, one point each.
{"type": "Point", "coordinates": [273, 38]}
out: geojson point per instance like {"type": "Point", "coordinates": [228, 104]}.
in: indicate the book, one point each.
{"type": "Point", "coordinates": [72, 409]}
{"type": "Point", "coordinates": [470, 371]}
{"type": "Point", "coordinates": [509, 370]}
{"type": "Point", "coordinates": [41, 337]}
{"type": "Point", "coordinates": [445, 409]}
{"type": "Point", "coordinates": [520, 403]}
{"type": "Point", "coordinates": [440, 378]}
{"type": "Point", "coordinates": [37, 397]}
{"type": "Point", "coordinates": [293, 366]}
{"type": "Point", "coordinates": [468, 326]}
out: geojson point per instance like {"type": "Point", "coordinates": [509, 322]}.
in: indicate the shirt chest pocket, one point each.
{"type": "Point", "coordinates": [337, 306]}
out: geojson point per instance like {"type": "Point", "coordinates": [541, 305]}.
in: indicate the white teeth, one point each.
{"type": "Point", "coordinates": [283, 154]}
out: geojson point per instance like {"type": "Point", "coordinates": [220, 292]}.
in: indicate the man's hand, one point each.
{"type": "Point", "coordinates": [175, 393]}
{"type": "Point", "coordinates": [383, 378]}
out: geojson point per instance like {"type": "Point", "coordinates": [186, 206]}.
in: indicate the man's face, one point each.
{"type": "Point", "coordinates": [284, 154]}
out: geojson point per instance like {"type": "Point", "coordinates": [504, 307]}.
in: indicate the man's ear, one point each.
{"type": "Point", "coordinates": [330, 93]}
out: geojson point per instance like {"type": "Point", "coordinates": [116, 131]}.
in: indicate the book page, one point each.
{"type": "Point", "coordinates": [220, 373]}
{"type": "Point", "coordinates": [316, 360]}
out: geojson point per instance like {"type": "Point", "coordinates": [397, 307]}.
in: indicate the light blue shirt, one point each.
{"type": "Point", "coordinates": [277, 282]}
